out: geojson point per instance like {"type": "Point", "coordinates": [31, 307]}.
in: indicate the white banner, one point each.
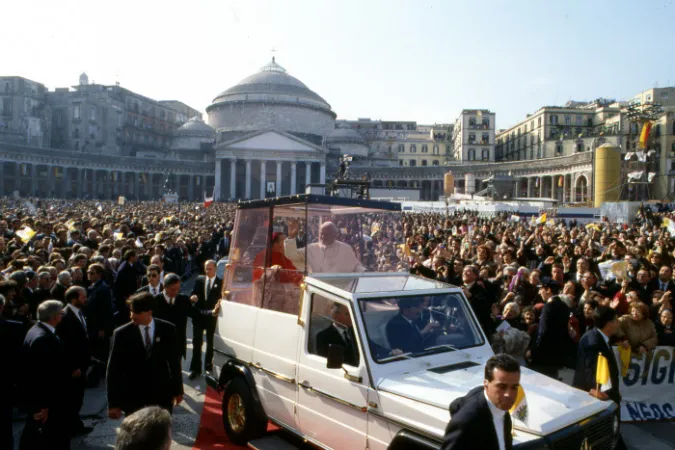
{"type": "Point", "coordinates": [647, 388]}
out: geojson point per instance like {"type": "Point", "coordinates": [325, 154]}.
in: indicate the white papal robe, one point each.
{"type": "Point", "coordinates": [335, 258]}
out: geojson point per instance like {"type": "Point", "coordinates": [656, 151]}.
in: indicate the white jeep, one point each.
{"type": "Point", "coordinates": [272, 363]}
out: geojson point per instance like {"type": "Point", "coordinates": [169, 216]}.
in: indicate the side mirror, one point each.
{"type": "Point", "coordinates": [336, 356]}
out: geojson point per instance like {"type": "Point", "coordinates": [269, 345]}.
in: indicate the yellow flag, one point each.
{"type": "Point", "coordinates": [70, 224]}
{"type": "Point", "coordinates": [602, 370]}
{"type": "Point", "coordinates": [541, 219]}
{"type": "Point", "coordinates": [519, 409]}
{"type": "Point", "coordinates": [119, 236]}
{"type": "Point", "coordinates": [26, 234]}
{"type": "Point", "coordinates": [624, 356]}
{"type": "Point", "coordinates": [406, 249]}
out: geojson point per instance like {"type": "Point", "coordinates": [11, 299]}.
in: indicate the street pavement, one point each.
{"type": "Point", "coordinates": [186, 417]}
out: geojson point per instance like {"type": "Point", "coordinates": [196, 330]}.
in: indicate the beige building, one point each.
{"type": "Point", "coordinates": [474, 135]}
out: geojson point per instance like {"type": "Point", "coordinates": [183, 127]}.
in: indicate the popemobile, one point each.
{"type": "Point", "coordinates": [323, 356]}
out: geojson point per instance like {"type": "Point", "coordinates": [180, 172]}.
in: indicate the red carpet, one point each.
{"type": "Point", "coordinates": [211, 433]}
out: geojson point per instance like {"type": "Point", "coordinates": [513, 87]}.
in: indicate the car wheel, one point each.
{"type": "Point", "coordinates": [239, 418]}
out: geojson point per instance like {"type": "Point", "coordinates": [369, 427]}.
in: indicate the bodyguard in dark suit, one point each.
{"type": "Point", "coordinates": [11, 338]}
{"type": "Point", "coordinates": [73, 333]}
{"type": "Point", "coordinates": [144, 367]}
{"type": "Point", "coordinates": [205, 297]}
{"type": "Point", "coordinates": [153, 283]}
{"type": "Point", "coordinates": [402, 331]}
{"type": "Point", "coordinates": [58, 291]}
{"type": "Point", "coordinates": [100, 320]}
{"type": "Point", "coordinates": [553, 346]}
{"type": "Point", "coordinates": [126, 284]}
{"type": "Point", "coordinates": [594, 342]}
{"type": "Point", "coordinates": [175, 308]}
{"type": "Point", "coordinates": [479, 300]}
{"type": "Point", "coordinates": [480, 420]}
{"type": "Point", "coordinates": [340, 333]}
{"type": "Point", "coordinates": [45, 374]}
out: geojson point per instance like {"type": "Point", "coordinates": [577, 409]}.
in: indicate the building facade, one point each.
{"type": "Point", "coordinates": [474, 135]}
{"type": "Point", "coordinates": [25, 116]}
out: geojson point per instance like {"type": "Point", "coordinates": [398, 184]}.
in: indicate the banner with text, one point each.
{"type": "Point", "coordinates": [647, 388]}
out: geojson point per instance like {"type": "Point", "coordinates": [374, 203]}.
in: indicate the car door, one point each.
{"type": "Point", "coordinates": [332, 409]}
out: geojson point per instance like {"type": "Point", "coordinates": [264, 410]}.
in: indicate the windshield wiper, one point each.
{"type": "Point", "coordinates": [430, 350]}
{"type": "Point", "coordinates": [396, 357]}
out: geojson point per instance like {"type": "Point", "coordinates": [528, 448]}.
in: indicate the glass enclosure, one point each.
{"type": "Point", "coordinates": [415, 326]}
{"type": "Point", "coordinates": [278, 241]}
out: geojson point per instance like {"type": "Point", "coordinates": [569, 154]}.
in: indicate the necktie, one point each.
{"type": "Point", "coordinates": [663, 286]}
{"type": "Point", "coordinates": [148, 341]}
{"type": "Point", "coordinates": [84, 322]}
{"type": "Point", "coordinates": [208, 288]}
{"type": "Point", "coordinates": [171, 300]}
{"type": "Point", "coordinates": [508, 430]}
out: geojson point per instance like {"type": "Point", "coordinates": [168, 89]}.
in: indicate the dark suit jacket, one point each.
{"type": "Point", "coordinates": [331, 336]}
{"type": "Point", "coordinates": [481, 303]}
{"type": "Point", "coordinates": [99, 310]}
{"type": "Point", "coordinates": [471, 425]}
{"type": "Point", "coordinates": [645, 292]}
{"type": "Point", "coordinates": [75, 339]}
{"type": "Point", "coordinates": [58, 292]}
{"type": "Point", "coordinates": [655, 285]}
{"type": "Point", "coordinates": [135, 378]}
{"type": "Point", "coordinates": [203, 303]}
{"type": "Point", "coordinates": [126, 284]}
{"type": "Point", "coordinates": [590, 345]}
{"type": "Point", "coordinates": [177, 315]}
{"type": "Point", "coordinates": [553, 344]}
{"type": "Point", "coordinates": [11, 339]}
{"type": "Point", "coordinates": [146, 288]}
{"type": "Point", "coordinates": [40, 295]}
{"type": "Point", "coordinates": [45, 370]}
{"type": "Point", "coordinates": [404, 336]}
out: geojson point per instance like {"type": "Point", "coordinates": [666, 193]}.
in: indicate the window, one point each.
{"type": "Point", "coordinates": [92, 113]}
{"type": "Point", "coordinates": [558, 149]}
{"type": "Point", "coordinates": [401, 148]}
{"type": "Point", "coordinates": [472, 154]}
{"type": "Point", "coordinates": [472, 137]}
{"type": "Point", "coordinates": [553, 120]}
{"type": "Point", "coordinates": [554, 133]}
{"type": "Point", "coordinates": [7, 87]}
{"type": "Point", "coordinates": [435, 149]}
{"type": "Point", "coordinates": [331, 323]}
{"type": "Point", "coordinates": [580, 120]}
{"type": "Point", "coordinates": [580, 146]}
{"type": "Point", "coordinates": [435, 163]}
{"type": "Point", "coordinates": [485, 154]}
{"type": "Point", "coordinates": [539, 122]}
{"type": "Point", "coordinates": [76, 132]}
{"type": "Point", "coordinates": [413, 163]}
{"type": "Point", "coordinates": [672, 166]}
{"type": "Point", "coordinates": [413, 148]}
{"type": "Point", "coordinates": [472, 121]}
{"type": "Point", "coordinates": [76, 112]}
{"type": "Point", "coordinates": [389, 148]}
{"type": "Point", "coordinates": [486, 123]}
{"type": "Point", "coordinates": [657, 130]}
{"type": "Point", "coordinates": [119, 119]}
{"type": "Point", "coordinates": [485, 139]}
{"type": "Point", "coordinates": [568, 120]}
{"type": "Point", "coordinates": [400, 162]}
{"type": "Point", "coordinates": [424, 163]}
{"type": "Point", "coordinates": [425, 149]}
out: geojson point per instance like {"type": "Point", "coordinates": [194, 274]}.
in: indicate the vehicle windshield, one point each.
{"type": "Point", "coordinates": [416, 326]}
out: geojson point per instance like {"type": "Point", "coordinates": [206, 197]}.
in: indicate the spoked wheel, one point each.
{"type": "Point", "coordinates": [239, 418]}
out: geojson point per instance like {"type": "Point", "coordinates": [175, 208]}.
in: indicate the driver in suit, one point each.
{"type": "Point", "coordinates": [341, 333]}
{"type": "Point", "coordinates": [402, 329]}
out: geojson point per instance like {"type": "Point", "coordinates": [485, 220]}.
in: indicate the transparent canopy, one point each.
{"type": "Point", "coordinates": [278, 241]}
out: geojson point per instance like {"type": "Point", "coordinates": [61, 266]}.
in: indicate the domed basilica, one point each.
{"type": "Point", "coordinates": [271, 135]}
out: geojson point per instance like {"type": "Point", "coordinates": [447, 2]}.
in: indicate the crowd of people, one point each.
{"type": "Point", "coordinates": [67, 272]}
{"type": "Point", "coordinates": [534, 286]}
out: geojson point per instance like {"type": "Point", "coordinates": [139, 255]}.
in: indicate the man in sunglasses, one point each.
{"type": "Point", "coordinates": [154, 285]}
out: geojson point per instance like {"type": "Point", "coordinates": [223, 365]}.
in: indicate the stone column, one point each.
{"type": "Point", "coordinates": [530, 184]}
{"type": "Point", "coordinates": [17, 176]}
{"type": "Point", "coordinates": [322, 173]}
{"type": "Point", "coordinates": [80, 181]}
{"type": "Point", "coordinates": [148, 185]}
{"type": "Point", "coordinates": [50, 181]}
{"type": "Point", "coordinates": [564, 188]}
{"type": "Point", "coordinates": [233, 179]}
{"type": "Point", "coordinates": [263, 175]}
{"type": "Point", "coordinates": [137, 186]}
{"type": "Point", "coordinates": [308, 173]}
{"type": "Point", "coordinates": [294, 177]}
{"type": "Point", "coordinates": [33, 180]}
{"type": "Point", "coordinates": [248, 180]}
{"type": "Point", "coordinates": [219, 175]}
{"type": "Point", "coordinates": [108, 185]}
{"type": "Point", "coordinates": [191, 188]}
{"type": "Point", "coordinates": [94, 186]}
{"type": "Point", "coordinates": [278, 193]}
{"type": "Point", "coordinates": [516, 190]}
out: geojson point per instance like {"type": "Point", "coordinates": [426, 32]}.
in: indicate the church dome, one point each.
{"type": "Point", "coordinates": [270, 84]}
{"type": "Point", "coordinates": [271, 98]}
{"type": "Point", "coordinates": [195, 127]}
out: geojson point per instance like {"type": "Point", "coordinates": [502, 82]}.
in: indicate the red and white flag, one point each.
{"type": "Point", "coordinates": [209, 200]}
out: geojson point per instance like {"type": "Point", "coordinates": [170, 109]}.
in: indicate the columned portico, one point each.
{"type": "Point", "coordinates": [219, 176]}
{"type": "Point", "coordinates": [294, 180]}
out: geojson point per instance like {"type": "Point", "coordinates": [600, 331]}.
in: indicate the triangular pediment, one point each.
{"type": "Point", "coordinates": [271, 140]}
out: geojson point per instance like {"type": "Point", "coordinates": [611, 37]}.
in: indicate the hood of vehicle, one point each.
{"type": "Point", "coordinates": [552, 405]}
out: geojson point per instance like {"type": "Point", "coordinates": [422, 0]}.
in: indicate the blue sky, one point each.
{"type": "Point", "coordinates": [393, 60]}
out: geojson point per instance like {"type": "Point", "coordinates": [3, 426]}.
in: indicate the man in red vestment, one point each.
{"type": "Point", "coordinates": [288, 273]}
